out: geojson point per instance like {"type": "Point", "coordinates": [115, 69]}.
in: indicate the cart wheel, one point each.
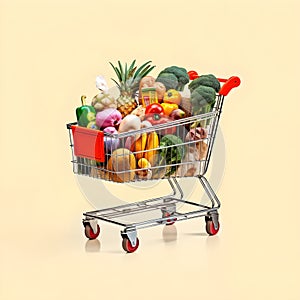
{"type": "Point", "coordinates": [210, 228]}
{"type": "Point", "coordinates": [170, 221]}
{"type": "Point", "coordinates": [89, 233]}
{"type": "Point", "coordinates": [127, 245]}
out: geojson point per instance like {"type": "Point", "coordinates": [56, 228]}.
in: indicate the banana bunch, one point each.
{"type": "Point", "coordinates": [145, 151]}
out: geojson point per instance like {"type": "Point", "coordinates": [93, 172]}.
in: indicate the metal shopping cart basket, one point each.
{"type": "Point", "coordinates": [175, 149]}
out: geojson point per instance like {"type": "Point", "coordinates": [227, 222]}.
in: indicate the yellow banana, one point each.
{"type": "Point", "coordinates": [152, 143]}
{"type": "Point", "coordinates": [139, 146]}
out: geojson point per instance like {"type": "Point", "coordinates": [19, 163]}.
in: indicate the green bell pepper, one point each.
{"type": "Point", "coordinates": [85, 113]}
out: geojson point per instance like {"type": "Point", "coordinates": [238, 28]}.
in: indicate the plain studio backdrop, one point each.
{"type": "Point", "coordinates": [50, 54]}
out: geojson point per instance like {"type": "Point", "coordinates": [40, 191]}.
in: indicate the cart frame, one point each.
{"type": "Point", "coordinates": [166, 204]}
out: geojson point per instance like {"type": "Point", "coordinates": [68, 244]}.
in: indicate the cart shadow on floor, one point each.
{"type": "Point", "coordinates": [196, 233]}
{"type": "Point", "coordinates": [92, 246]}
{"type": "Point", "coordinates": [169, 233]}
{"type": "Point", "coordinates": [211, 242]}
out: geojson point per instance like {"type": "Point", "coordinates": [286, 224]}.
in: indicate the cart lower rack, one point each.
{"type": "Point", "coordinates": [168, 151]}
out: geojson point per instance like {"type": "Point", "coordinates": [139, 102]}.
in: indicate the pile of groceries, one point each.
{"type": "Point", "coordinates": [149, 128]}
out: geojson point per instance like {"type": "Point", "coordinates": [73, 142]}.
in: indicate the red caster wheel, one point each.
{"type": "Point", "coordinates": [210, 228]}
{"type": "Point", "coordinates": [127, 246]}
{"type": "Point", "coordinates": [89, 233]}
{"type": "Point", "coordinates": [170, 221]}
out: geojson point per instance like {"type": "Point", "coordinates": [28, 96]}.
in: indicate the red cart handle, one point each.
{"type": "Point", "coordinates": [228, 85]}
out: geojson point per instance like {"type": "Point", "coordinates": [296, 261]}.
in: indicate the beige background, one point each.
{"type": "Point", "coordinates": [50, 53]}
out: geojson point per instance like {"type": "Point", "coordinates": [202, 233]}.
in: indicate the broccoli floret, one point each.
{"type": "Point", "coordinates": [202, 99]}
{"type": "Point", "coordinates": [168, 79]}
{"type": "Point", "coordinates": [181, 75]}
{"type": "Point", "coordinates": [206, 80]}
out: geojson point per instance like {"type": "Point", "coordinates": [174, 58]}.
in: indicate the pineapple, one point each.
{"type": "Point", "coordinates": [129, 80]}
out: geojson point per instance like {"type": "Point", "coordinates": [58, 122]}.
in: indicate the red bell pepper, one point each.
{"type": "Point", "coordinates": [154, 108]}
{"type": "Point", "coordinates": [158, 119]}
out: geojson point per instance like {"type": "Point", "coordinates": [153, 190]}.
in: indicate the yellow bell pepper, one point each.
{"type": "Point", "coordinates": [169, 107]}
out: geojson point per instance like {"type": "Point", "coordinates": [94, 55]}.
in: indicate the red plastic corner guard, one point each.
{"type": "Point", "coordinates": [88, 143]}
{"type": "Point", "coordinates": [229, 84]}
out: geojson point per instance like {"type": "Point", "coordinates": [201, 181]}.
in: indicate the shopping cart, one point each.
{"type": "Point", "coordinates": [108, 157]}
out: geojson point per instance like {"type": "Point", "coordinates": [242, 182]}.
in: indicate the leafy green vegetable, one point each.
{"type": "Point", "coordinates": [171, 151]}
{"type": "Point", "coordinates": [202, 99]}
{"type": "Point", "coordinates": [206, 80]}
{"type": "Point", "coordinates": [181, 75]}
{"type": "Point", "coordinates": [169, 80]}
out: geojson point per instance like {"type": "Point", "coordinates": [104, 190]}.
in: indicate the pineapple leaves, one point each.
{"type": "Point", "coordinates": [146, 71]}
{"type": "Point", "coordinates": [118, 85]}
{"type": "Point", "coordinates": [129, 77]}
{"type": "Point", "coordinates": [131, 66]}
{"type": "Point", "coordinates": [121, 69]}
{"type": "Point", "coordinates": [116, 71]}
{"type": "Point", "coordinates": [125, 73]}
{"type": "Point", "coordinates": [131, 69]}
{"type": "Point", "coordinates": [141, 68]}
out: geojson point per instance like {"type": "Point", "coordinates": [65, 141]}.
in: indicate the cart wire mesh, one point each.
{"type": "Point", "coordinates": [179, 148]}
